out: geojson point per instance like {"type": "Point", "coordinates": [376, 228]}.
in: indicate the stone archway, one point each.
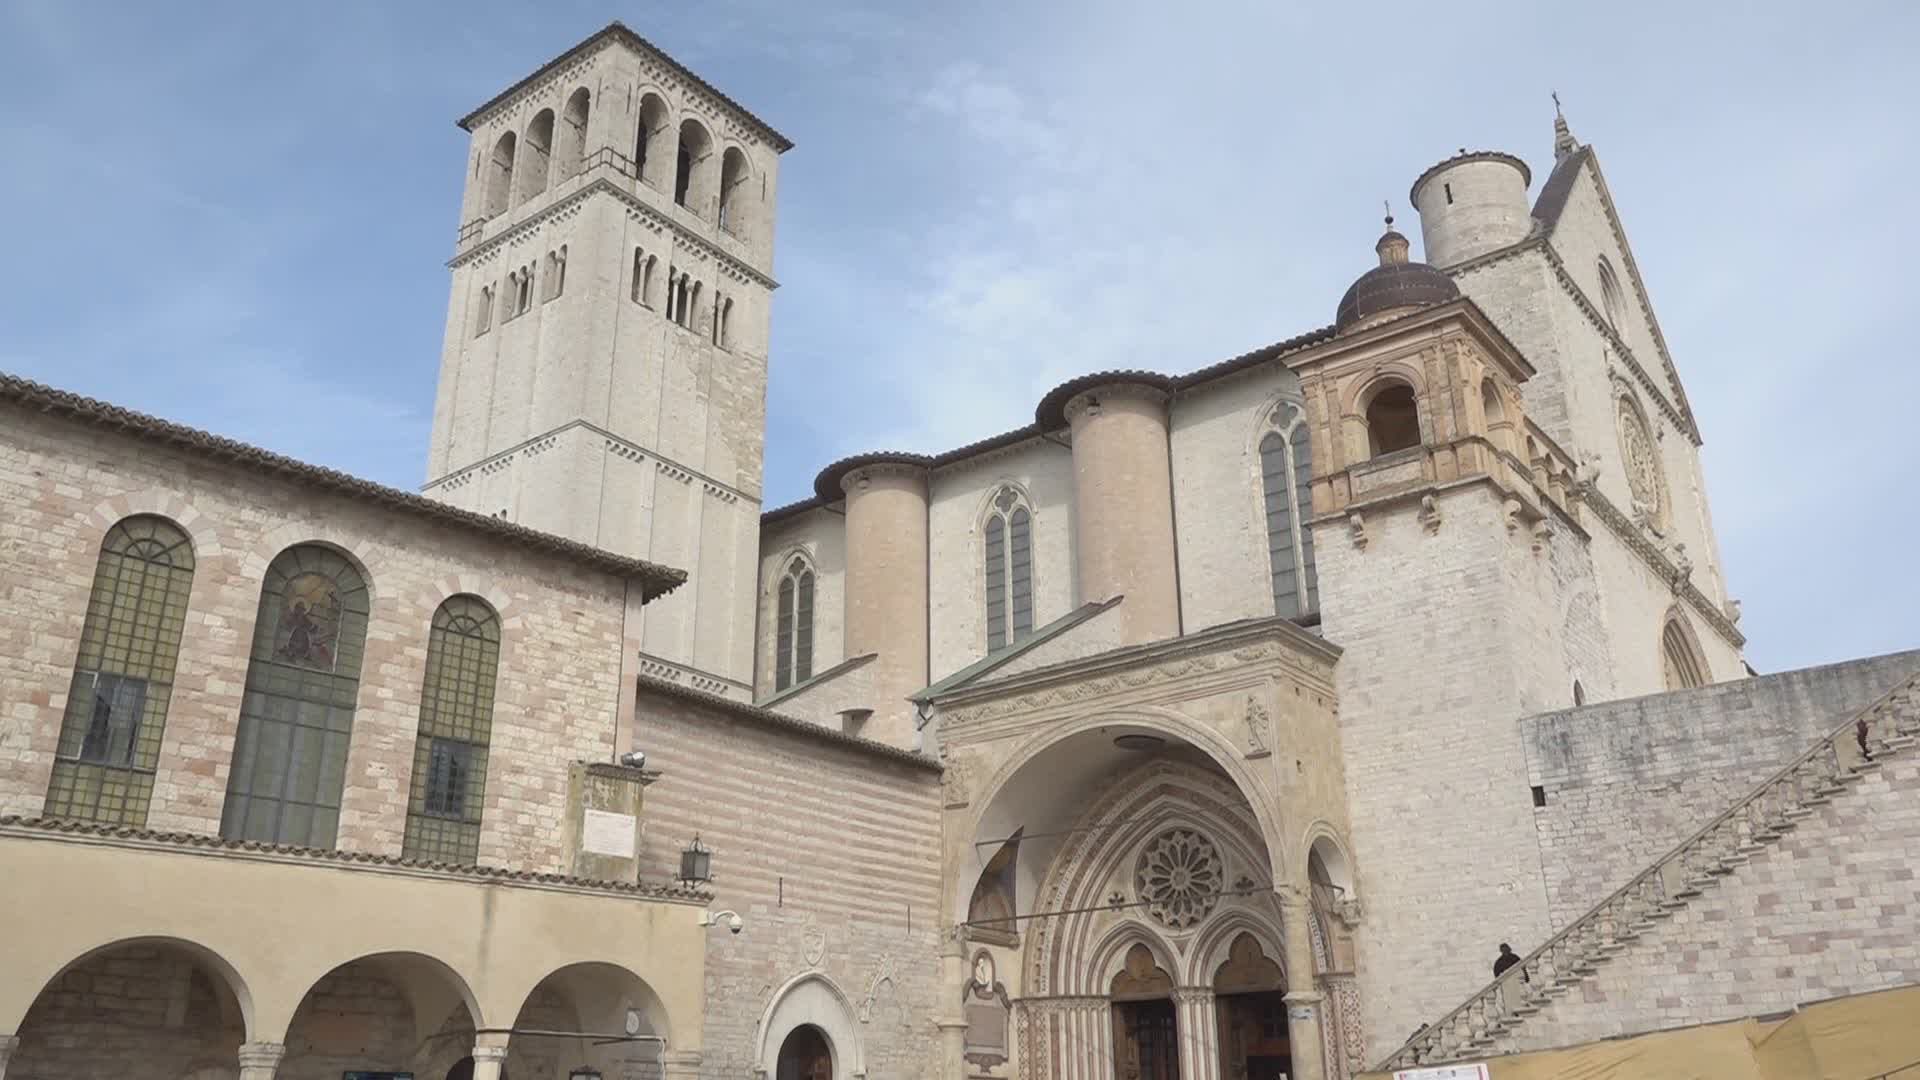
{"type": "Point", "coordinates": [172, 1005]}
{"type": "Point", "coordinates": [551, 1029]}
{"type": "Point", "coordinates": [811, 1001]}
{"type": "Point", "coordinates": [389, 1012]}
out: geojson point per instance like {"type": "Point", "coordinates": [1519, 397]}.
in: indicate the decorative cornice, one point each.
{"type": "Point", "coordinates": [90, 832]}
{"type": "Point", "coordinates": [613, 444]}
{"type": "Point", "coordinates": [1673, 573]}
{"type": "Point", "coordinates": [513, 95]}
{"type": "Point", "coordinates": [694, 241]}
{"type": "Point", "coordinates": [1223, 648]}
{"type": "Point", "coordinates": [1681, 420]}
{"type": "Point", "coordinates": [68, 407]}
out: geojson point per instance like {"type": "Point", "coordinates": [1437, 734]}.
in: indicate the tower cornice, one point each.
{"type": "Point", "coordinates": [601, 183]}
{"type": "Point", "coordinates": [512, 96]}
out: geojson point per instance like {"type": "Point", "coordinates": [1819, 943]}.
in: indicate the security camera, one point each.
{"type": "Point", "coordinates": [730, 919]}
{"type": "Point", "coordinates": [634, 759]}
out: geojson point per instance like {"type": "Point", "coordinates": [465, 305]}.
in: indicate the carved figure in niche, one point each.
{"type": "Point", "coordinates": [1259, 723]}
{"type": "Point", "coordinates": [988, 1013]}
{"type": "Point", "coordinates": [309, 622]}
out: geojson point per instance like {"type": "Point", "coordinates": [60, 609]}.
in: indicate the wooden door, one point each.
{"type": "Point", "coordinates": [1253, 1036]}
{"type": "Point", "coordinates": [1146, 1044]}
{"type": "Point", "coordinates": [805, 1056]}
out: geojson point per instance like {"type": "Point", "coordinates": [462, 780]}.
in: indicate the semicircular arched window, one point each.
{"type": "Point", "coordinates": [1009, 570]}
{"type": "Point", "coordinates": [793, 630]}
{"type": "Point", "coordinates": [296, 713]}
{"type": "Point", "coordinates": [456, 726]}
{"type": "Point", "coordinates": [123, 676]}
{"type": "Point", "coordinates": [1286, 475]}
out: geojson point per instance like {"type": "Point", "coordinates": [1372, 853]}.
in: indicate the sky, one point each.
{"type": "Point", "coordinates": [236, 215]}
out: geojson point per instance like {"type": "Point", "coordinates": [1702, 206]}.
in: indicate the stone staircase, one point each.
{"type": "Point", "coordinates": [1487, 1021]}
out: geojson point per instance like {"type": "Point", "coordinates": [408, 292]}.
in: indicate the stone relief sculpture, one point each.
{"type": "Point", "coordinates": [989, 1014]}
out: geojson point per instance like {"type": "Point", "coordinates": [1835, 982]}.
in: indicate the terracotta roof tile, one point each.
{"type": "Point", "coordinates": [781, 721]}
{"type": "Point", "coordinates": [333, 855]}
{"type": "Point", "coordinates": [657, 580]}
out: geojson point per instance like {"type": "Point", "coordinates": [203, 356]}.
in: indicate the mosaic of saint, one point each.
{"type": "Point", "coordinates": [309, 622]}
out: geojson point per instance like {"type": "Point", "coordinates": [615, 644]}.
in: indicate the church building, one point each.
{"type": "Point", "coordinates": [1218, 724]}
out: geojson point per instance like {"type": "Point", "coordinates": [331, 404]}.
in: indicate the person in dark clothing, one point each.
{"type": "Point", "coordinates": [1505, 960]}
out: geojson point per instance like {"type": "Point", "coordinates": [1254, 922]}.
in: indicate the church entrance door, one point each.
{"type": "Point", "coordinates": [1146, 1044]}
{"type": "Point", "coordinates": [805, 1056]}
{"type": "Point", "coordinates": [1253, 1036]}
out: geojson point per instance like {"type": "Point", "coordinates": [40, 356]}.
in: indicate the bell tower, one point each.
{"type": "Point", "coordinates": [604, 370]}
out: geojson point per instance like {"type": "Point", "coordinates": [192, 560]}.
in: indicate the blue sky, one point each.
{"type": "Point", "coordinates": [236, 215]}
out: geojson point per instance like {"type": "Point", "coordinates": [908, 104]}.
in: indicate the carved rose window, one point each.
{"type": "Point", "coordinates": [1642, 464]}
{"type": "Point", "coordinates": [1179, 877]}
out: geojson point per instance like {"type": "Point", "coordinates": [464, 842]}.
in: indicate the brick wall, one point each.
{"type": "Point", "coordinates": [139, 1004]}
{"type": "Point", "coordinates": [830, 853]}
{"type": "Point", "coordinates": [1828, 909]}
{"type": "Point", "coordinates": [564, 626]}
{"type": "Point", "coordinates": [1627, 780]}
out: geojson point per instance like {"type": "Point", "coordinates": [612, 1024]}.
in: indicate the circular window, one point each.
{"type": "Point", "coordinates": [1641, 460]}
{"type": "Point", "coordinates": [1179, 877]}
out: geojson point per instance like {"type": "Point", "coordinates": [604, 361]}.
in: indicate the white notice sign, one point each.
{"type": "Point", "coordinates": [1444, 1072]}
{"type": "Point", "coordinates": [607, 834]}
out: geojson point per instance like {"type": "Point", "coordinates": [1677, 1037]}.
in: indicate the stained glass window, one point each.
{"type": "Point", "coordinates": [1286, 472]}
{"type": "Point", "coordinates": [456, 724]}
{"type": "Point", "coordinates": [1009, 571]}
{"type": "Point", "coordinates": [793, 631]}
{"type": "Point", "coordinates": [296, 713]}
{"type": "Point", "coordinates": [123, 677]}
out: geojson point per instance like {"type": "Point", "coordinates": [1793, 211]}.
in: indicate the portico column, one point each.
{"type": "Point", "coordinates": [489, 1054]}
{"type": "Point", "coordinates": [679, 1064]}
{"type": "Point", "coordinates": [952, 1018]}
{"type": "Point", "coordinates": [1304, 1005]}
{"type": "Point", "coordinates": [1197, 1025]}
{"type": "Point", "coordinates": [8, 1044]}
{"type": "Point", "coordinates": [259, 1060]}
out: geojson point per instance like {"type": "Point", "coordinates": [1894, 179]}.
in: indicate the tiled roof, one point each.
{"type": "Point", "coordinates": [1051, 413]}
{"type": "Point", "coordinates": [819, 677]}
{"type": "Point", "coordinates": [1048, 409]}
{"type": "Point", "coordinates": [826, 486]}
{"type": "Point", "coordinates": [769, 718]}
{"type": "Point", "coordinates": [656, 580]}
{"type": "Point", "coordinates": [1461, 158]}
{"type": "Point", "coordinates": [991, 661]}
{"type": "Point", "coordinates": [1559, 185]}
{"type": "Point", "coordinates": [619, 30]}
{"type": "Point", "coordinates": [333, 855]}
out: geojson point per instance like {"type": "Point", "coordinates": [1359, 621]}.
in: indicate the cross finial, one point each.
{"type": "Point", "coordinates": [1388, 206]}
{"type": "Point", "coordinates": [1556, 102]}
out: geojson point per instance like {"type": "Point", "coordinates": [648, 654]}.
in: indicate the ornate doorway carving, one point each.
{"type": "Point", "coordinates": [1146, 1039]}
{"type": "Point", "coordinates": [1248, 994]}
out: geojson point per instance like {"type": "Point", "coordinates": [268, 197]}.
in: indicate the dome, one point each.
{"type": "Point", "coordinates": [1395, 283]}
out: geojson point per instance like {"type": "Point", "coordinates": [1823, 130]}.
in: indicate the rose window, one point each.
{"type": "Point", "coordinates": [1642, 461]}
{"type": "Point", "coordinates": [1179, 877]}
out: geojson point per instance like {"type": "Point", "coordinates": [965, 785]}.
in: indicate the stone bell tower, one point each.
{"type": "Point", "coordinates": [1442, 546]}
{"type": "Point", "coordinates": [604, 372]}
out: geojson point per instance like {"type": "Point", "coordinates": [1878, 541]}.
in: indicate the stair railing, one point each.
{"type": "Point", "coordinates": [1671, 880]}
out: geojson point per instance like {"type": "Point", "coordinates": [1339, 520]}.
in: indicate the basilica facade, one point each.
{"type": "Point", "coordinates": [1220, 722]}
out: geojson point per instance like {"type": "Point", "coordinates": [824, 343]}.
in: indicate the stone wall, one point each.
{"type": "Point", "coordinates": [828, 850]}
{"type": "Point", "coordinates": [1433, 673]}
{"type": "Point", "coordinates": [1828, 909]}
{"type": "Point", "coordinates": [1626, 780]}
{"type": "Point", "coordinates": [564, 632]}
{"type": "Point", "coordinates": [148, 1005]}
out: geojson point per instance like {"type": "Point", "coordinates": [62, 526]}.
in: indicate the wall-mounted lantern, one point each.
{"type": "Point", "coordinates": [696, 863]}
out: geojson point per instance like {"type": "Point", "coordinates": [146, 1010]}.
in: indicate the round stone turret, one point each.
{"type": "Point", "coordinates": [1472, 203]}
